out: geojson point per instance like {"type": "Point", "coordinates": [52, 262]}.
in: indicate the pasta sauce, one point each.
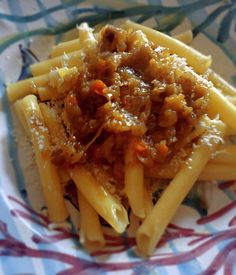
{"type": "Point", "coordinates": [128, 89]}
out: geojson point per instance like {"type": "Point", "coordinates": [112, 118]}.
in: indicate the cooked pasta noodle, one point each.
{"type": "Point", "coordinates": [154, 225]}
{"type": "Point", "coordinates": [195, 59]}
{"type": "Point", "coordinates": [91, 234]}
{"type": "Point", "coordinates": [134, 182]}
{"type": "Point", "coordinates": [48, 173]}
{"type": "Point", "coordinates": [104, 203]}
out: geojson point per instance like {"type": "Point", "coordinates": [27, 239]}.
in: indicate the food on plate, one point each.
{"type": "Point", "coordinates": [116, 112]}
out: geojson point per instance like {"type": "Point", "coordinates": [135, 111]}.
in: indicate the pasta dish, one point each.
{"type": "Point", "coordinates": [115, 113]}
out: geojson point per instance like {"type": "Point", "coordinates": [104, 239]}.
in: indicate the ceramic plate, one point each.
{"type": "Point", "coordinates": [201, 238]}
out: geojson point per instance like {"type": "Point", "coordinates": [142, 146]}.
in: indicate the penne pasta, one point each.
{"type": "Point", "coordinates": [25, 87]}
{"type": "Point", "coordinates": [53, 82]}
{"type": "Point", "coordinates": [225, 155]}
{"type": "Point", "coordinates": [221, 84]}
{"type": "Point", "coordinates": [221, 166]}
{"type": "Point", "coordinates": [75, 45]}
{"type": "Point", "coordinates": [86, 37]}
{"type": "Point", "coordinates": [53, 122]}
{"type": "Point", "coordinates": [46, 93]}
{"type": "Point", "coordinates": [134, 182]}
{"type": "Point", "coordinates": [232, 99]}
{"type": "Point", "coordinates": [211, 172]}
{"type": "Point", "coordinates": [66, 47]}
{"type": "Point", "coordinates": [148, 205]}
{"type": "Point", "coordinates": [219, 104]}
{"type": "Point", "coordinates": [91, 235]}
{"type": "Point", "coordinates": [105, 204]}
{"type": "Point", "coordinates": [230, 131]}
{"type": "Point", "coordinates": [217, 171]}
{"type": "Point", "coordinates": [151, 230]}
{"type": "Point", "coordinates": [50, 181]}
{"type": "Point", "coordinates": [70, 59]}
{"type": "Point", "coordinates": [198, 61]}
{"type": "Point", "coordinates": [73, 59]}
{"type": "Point", "coordinates": [57, 131]}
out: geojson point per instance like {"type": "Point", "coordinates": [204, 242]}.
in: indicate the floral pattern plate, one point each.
{"type": "Point", "coordinates": [202, 236]}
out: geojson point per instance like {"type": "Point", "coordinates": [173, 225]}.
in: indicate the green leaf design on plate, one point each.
{"type": "Point", "coordinates": [225, 25]}
{"type": "Point", "coordinates": [168, 18]}
{"type": "Point", "coordinates": [210, 18]}
{"type": "Point", "coordinates": [38, 15]}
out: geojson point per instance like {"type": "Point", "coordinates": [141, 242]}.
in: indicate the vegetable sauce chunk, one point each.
{"type": "Point", "coordinates": [128, 90]}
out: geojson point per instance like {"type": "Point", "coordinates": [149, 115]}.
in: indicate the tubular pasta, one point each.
{"type": "Point", "coordinates": [211, 172]}
{"type": "Point", "coordinates": [134, 182]}
{"type": "Point", "coordinates": [66, 47]}
{"type": "Point", "coordinates": [105, 204]}
{"type": "Point", "coordinates": [50, 181]}
{"type": "Point", "coordinates": [73, 59]}
{"type": "Point", "coordinates": [226, 155]}
{"type": "Point", "coordinates": [198, 61]}
{"type": "Point", "coordinates": [148, 205]}
{"type": "Point", "coordinates": [60, 79]}
{"type": "Point", "coordinates": [70, 59]}
{"type": "Point", "coordinates": [218, 104]}
{"type": "Point", "coordinates": [232, 99]}
{"type": "Point", "coordinates": [154, 225]}
{"type": "Point", "coordinates": [221, 84]}
{"type": "Point", "coordinates": [91, 235]}
{"type": "Point", "coordinates": [69, 46]}
{"type": "Point", "coordinates": [87, 39]}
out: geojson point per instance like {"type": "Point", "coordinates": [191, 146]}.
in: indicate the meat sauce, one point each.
{"type": "Point", "coordinates": [128, 89]}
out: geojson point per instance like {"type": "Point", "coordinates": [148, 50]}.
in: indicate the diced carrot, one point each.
{"type": "Point", "coordinates": [97, 86]}
{"type": "Point", "coordinates": [141, 147]}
